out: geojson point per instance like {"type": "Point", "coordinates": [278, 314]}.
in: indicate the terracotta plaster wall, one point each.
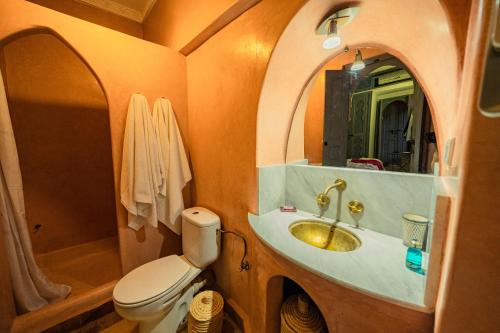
{"type": "Point", "coordinates": [225, 76]}
{"type": "Point", "coordinates": [468, 299]}
{"type": "Point", "coordinates": [176, 23]}
{"type": "Point", "coordinates": [458, 12]}
{"type": "Point", "coordinates": [124, 65]}
{"type": "Point", "coordinates": [314, 113]}
{"type": "Point", "coordinates": [60, 119]}
{"type": "Point", "coordinates": [94, 15]}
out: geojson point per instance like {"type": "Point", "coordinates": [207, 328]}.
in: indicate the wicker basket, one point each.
{"type": "Point", "coordinates": [299, 314]}
{"type": "Point", "coordinates": [205, 313]}
{"type": "Point", "coordinates": [414, 228]}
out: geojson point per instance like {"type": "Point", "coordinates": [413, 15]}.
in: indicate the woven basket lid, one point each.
{"type": "Point", "coordinates": [301, 315]}
{"type": "Point", "coordinates": [206, 306]}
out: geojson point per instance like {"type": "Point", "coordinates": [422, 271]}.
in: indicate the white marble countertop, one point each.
{"type": "Point", "coordinates": [376, 268]}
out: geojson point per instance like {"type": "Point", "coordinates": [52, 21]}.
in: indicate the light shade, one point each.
{"type": "Point", "coordinates": [358, 63]}
{"type": "Point", "coordinates": [332, 39]}
{"type": "Point", "coordinates": [331, 42]}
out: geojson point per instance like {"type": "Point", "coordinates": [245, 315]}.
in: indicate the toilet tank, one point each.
{"type": "Point", "coordinates": [200, 238]}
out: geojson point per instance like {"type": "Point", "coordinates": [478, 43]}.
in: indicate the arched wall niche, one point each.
{"type": "Point", "coordinates": [275, 296]}
{"type": "Point", "coordinates": [60, 116]}
{"type": "Point", "coordinates": [125, 65]}
{"type": "Point", "coordinates": [418, 33]}
{"type": "Point", "coordinates": [46, 30]}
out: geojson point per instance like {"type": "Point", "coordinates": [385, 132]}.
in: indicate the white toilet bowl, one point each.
{"type": "Point", "coordinates": [158, 294]}
{"type": "Point", "coordinates": [151, 293]}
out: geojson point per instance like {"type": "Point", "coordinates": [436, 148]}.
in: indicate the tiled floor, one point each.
{"type": "Point", "coordinates": [92, 321]}
{"type": "Point", "coordinates": [126, 326]}
{"type": "Point", "coordinates": [123, 326]}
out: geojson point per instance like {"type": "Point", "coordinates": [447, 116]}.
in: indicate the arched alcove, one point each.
{"type": "Point", "coordinates": [278, 289]}
{"type": "Point", "coordinates": [419, 34]}
{"type": "Point", "coordinates": [60, 118]}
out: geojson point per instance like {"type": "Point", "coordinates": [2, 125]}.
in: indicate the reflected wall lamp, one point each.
{"type": "Point", "coordinates": [358, 63]}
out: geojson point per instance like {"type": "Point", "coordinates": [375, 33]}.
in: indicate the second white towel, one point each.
{"type": "Point", "coordinates": [175, 162]}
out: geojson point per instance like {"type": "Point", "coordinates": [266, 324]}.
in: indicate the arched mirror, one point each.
{"type": "Point", "coordinates": [366, 110]}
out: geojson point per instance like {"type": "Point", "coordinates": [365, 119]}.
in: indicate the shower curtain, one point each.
{"type": "Point", "coordinates": [32, 289]}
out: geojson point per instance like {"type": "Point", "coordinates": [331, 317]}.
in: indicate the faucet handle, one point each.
{"type": "Point", "coordinates": [322, 200]}
{"type": "Point", "coordinates": [355, 206]}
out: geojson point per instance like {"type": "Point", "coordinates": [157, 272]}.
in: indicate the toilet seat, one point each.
{"type": "Point", "coordinates": [152, 281]}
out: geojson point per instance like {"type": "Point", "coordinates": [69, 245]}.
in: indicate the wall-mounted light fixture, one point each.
{"type": "Point", "coordinates": [358, 63]}
{"type": "Point", "coordinates": [331, 24]}
{"type": "Point", "coordinates": [332, 38]}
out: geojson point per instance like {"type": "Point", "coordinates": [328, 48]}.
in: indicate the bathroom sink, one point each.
{"type": "Point", "coordinates": [324, 235]}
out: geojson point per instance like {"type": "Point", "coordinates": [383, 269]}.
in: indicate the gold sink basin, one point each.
{"type": "Point", "coordinates": [324, 235]}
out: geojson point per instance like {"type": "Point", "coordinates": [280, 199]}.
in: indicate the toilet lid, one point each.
{"type": "Point", "coordinates": [150, 280]}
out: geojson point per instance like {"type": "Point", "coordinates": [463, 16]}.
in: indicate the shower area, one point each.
{"type": "Point", "coordinates": [59, 115]}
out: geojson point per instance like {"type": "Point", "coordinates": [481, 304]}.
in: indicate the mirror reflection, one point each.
{"type": "Point", "coordinates": [366, 110]}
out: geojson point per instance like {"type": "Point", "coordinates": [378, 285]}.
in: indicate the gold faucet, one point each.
{"type": "Point", "coordinates": [323, 199]}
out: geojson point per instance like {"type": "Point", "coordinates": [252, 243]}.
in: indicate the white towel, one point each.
{"type": "Point", "coordinates": [175, 162]}
{"type": "Point", "coordinates": [142, 177]}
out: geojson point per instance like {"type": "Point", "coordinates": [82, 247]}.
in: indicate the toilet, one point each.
{"type": "Point", "coordinates": [158, 294]}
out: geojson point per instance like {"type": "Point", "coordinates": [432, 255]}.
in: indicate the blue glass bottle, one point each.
{"type": "Point", "coordinates": [414, 257]}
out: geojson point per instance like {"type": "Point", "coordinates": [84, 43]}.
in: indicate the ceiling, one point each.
{"type": "Point", "coordinates": [135, 10]}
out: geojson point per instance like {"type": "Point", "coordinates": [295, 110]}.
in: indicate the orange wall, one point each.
{"type": "Point", "coordinates": [225, 76]}
{"type": "Point", "coordinates": [60, 119]}
{"type": "Point", "coordinates": [124, 65]}
{"type": "Point", "coordinates": [470, 286]}
{"type": "Point", "coordinates": [176, 23]}
{"type": "Point", "coordinates": [313, 123]}
{"type": "Point", "coordinates": [458, 12]}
